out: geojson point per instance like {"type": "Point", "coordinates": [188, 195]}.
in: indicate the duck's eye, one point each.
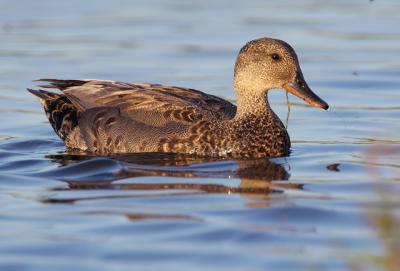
{"type": "Point", "coordinates": [275, 57]}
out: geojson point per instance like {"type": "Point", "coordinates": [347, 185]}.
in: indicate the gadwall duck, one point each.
{"type": "Point", "coordinates": [104, 117]}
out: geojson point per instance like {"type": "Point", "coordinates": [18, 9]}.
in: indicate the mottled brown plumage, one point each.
{"type": "Point", "coordinates": [116, 117]}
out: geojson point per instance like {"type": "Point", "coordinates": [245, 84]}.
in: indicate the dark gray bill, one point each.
{"type": "Point", "coordinates": [300, 89]}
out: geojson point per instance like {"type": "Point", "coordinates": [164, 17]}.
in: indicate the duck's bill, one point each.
{"type": "Point", "coordinates": [300, 89]}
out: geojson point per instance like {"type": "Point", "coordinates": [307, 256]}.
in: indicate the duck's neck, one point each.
{"type": "Point", "coordinates": [253, 106]}
{"type": "Point", "coordinates": [256, 131]}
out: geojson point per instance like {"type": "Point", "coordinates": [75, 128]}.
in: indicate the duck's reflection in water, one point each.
{"type": "Point", "coordinates": [258, 177]}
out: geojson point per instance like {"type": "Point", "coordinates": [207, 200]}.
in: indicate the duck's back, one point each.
{"type": "Point", "coordinates": [108, 116]}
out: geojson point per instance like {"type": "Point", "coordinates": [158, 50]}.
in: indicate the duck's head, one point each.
{"type": "Point", "coordinates": [265, 64]}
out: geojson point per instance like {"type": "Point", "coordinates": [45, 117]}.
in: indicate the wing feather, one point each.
{"type": "Point", "coordinates": [151, 104]}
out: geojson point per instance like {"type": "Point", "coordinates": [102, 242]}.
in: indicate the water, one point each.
{"type": "Point", "coordinates": [314, 210]}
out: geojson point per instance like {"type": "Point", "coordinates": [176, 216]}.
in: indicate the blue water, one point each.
{"type": "Point", "coordinates": [310, 211]}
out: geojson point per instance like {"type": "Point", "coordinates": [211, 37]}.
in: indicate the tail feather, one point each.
{"type": "Point", "coordinates": [62, 114]}
{"type": "Point", "coordinates": [60, 84]}
{"type": "Point", "coordinates": [44, 96]}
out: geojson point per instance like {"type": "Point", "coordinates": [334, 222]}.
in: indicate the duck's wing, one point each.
{"type": "Point", "coordinates": [150, 104]}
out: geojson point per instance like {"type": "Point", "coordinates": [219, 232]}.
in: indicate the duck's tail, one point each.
{"type": "Point", "coordinates": [62, 114]}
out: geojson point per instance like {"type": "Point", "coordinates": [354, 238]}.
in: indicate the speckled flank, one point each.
{"type": "Point", "coordinates": [116, 117]}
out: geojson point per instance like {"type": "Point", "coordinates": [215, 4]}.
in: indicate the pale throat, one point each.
{"type": "Point", "coordinates": [253, 104]}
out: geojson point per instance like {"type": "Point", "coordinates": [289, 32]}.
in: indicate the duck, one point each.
{"type": "Point", "coordinates": [111, 117]}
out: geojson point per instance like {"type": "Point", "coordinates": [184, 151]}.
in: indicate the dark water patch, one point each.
{"type": "Point", "coordinates": [23, 166]}
{"type": "Point", "coordinates": [30, 145]}
{"type": "Point", "coordinates": [96, 168]}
